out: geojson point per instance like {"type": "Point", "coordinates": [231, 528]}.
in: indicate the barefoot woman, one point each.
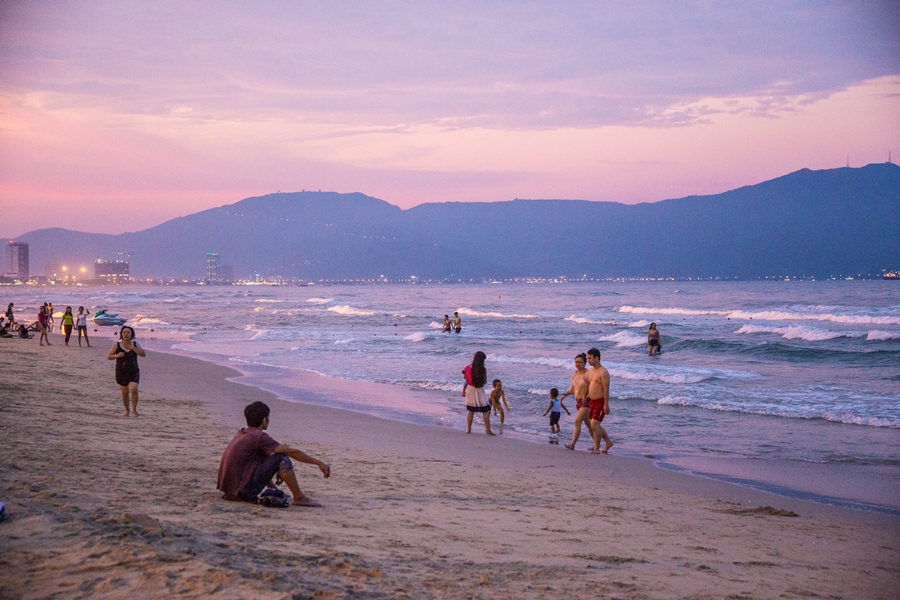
{"type": "Point", "coordinates": [473, 392]}
{"type": "Point", "coordinates": [125, 352]}
{"type": "Point", "coordinates": [579, 389]}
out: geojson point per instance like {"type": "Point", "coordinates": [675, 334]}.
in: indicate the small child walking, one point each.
{"type": "Point", "coordinates": [497, 394]}
{"type": "Point", "coordinates": [553, 409]}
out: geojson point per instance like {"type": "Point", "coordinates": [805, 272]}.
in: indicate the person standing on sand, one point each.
{"type": "Point", "coordinates": [81, 325]}
{"type": "Point", "coordinates": [125, 352]}
{"type": "Point", "coordinates": [50, 316]}
{"type": "Point", "coordinates": [654, 342]}
{"type": "Point", "coordinates": [10, 316]}
{"type": "Point", "coordinates": [579, 389]}
{"type": "Point", "coordinates": [473, 392]}
{"type": "Point", "coordinates": [68, 321]}
{"type": "Point", "coordinates": [253, 458]}
{"type": "Point", "coordinates": [457, 323]}
{"type": "Point", "coordinates": [598, 399]}
{"type": "Point", "coordinates": [42, 319]}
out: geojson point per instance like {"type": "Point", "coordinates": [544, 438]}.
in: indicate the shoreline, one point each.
{"type": "Point", "coordinates": [860, 487]}
{"type": "Point", "coordinates": [130, 508]}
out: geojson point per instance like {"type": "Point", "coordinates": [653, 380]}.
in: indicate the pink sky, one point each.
{"type": "Point", "coordinates": [116, 116]}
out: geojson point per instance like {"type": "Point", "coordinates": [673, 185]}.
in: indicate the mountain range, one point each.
{"type": "Point", "coordinates": [809, 223]}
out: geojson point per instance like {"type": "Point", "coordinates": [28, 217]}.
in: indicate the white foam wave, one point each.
{"type": "Point", "coordinates": [417, 336]}
{"type": "Point", "coordinates": [538, 392]}
{"type": "Point", "coordinates": [319, 300]}
{"type": "Point", "coordinates": [343, 309]}
{"type": "Point", "coordinates": [564, 363]}
{"type": "Point", "coordinates": [877, 335]}
{"type": "Point", "coordinates": [432, 385]}
{"type": "Point", "coordinates": [624, 339]}
{"type": "Point", "coordinates": [798, 332]}
{"type": "Point", "coordinates": [496, 315]}
{"type": "Point", "coordinates": [138, 319]}
{"type": "Point", "coordinates": [436, 325]}
{"type": "Point", "coordinates": [769, 315]}
{"type": "Point", "coordinates": [342, 341]}
{"type": "Point", "coordinates": [632, 374]}
{"type": "Point", "coordinates": [771, 410]}
{"type": "Point", "coordinates": [267, 300]}
{"type": "Point", "coordinates": [583, 321]}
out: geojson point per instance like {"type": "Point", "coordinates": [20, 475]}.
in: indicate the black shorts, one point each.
{"type": "Point", "coordinates": [477, 409]}
{"type": "Point", "coordinates": [554, 418]}
{"type": "Point", "coordinates": [653, 343]}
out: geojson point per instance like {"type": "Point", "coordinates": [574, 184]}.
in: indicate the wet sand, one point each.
{"type": "Point", "coordinates": [107, 506]}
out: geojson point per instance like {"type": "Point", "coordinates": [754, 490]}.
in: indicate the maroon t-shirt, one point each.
{"type": "Point", "coordinates": [246, 451]}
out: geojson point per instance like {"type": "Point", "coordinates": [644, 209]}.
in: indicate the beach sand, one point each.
{"type": "Point", "coordinates": [106, 506]}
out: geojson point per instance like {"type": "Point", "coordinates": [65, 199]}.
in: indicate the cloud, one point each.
{"type": "Point", "coordinates": [506, 65]}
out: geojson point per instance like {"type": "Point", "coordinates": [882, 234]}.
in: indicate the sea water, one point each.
{"type": "Point", "coordinates": [793, 372]}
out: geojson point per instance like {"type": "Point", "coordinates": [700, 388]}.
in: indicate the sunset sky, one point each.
{"type": "Point", "coordinates": [116, 116]}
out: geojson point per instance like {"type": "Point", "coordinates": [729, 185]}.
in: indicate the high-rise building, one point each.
{"type": "Point", "coordinates": [112, 271]}
{"type": "Point", "coordinates": [213, 274]}
{"type": "Point", "coordinates": [17, 260]}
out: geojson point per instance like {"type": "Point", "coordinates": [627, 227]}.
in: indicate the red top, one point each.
{"type": "Point", "coordinates": [246, 451]}
{"type": "Point", "coordinates": [468, 373]}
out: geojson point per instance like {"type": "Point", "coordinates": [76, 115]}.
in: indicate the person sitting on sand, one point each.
{"type": "Point", "coordinates": [497, 394]}
{"type": "Point", "coordinates": [4, 329]}
{"type": "Point", "coordinates": [23, 332]}
{"type": "Point", "coordinates": [253, 458]}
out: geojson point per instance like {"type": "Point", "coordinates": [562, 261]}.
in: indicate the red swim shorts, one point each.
{"type": "Point", "coordinates": [596, 406]}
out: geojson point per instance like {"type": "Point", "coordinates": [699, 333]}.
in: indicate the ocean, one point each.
{"type": "Point", "coordinates": [761, 383]}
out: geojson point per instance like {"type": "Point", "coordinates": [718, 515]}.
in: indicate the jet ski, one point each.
{"type": "Point", "coordinates": [104, 318]}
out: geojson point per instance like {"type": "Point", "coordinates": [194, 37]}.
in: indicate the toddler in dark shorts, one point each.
{"type": "Point", "coordinates": [554, 409]}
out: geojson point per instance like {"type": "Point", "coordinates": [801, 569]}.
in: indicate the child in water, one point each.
{"type": "Point", "coordinates": [495, 397]}
{"type": "Point", "coordinates": [553, 409]}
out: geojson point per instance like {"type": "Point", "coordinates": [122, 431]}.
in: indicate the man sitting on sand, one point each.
{"type": "Point", "coordinates": [253, 458]}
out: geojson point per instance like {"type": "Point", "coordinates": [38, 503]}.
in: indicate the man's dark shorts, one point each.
{"type": "Point", "coordinates": [263, 474]}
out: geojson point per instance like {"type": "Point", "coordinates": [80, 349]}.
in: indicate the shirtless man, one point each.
{"type": "Point", "coordinates": [579, 390]}
{"type": "Point", "coordinates": [457, 323]}
{"type": "Point", "coordinates": [598, 399]}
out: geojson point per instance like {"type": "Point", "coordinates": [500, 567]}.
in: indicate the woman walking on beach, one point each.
{"type": "Point", "coordinates": [653, 339]}
{"type": "Point", "coordinates": [68, 321]}
{"type": "Point", "coordinates": [81, 325]}
{"type": "Point", "coordinates": [125, 352]}
{"type": "Point", "coordinates": [579, 390]}
{"type": "Point", "coordinates": [42, 320]}
{"type": "Point", "coordinates": [473, 391]}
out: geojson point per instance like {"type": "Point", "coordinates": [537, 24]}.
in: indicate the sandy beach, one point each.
{"type": "Point", "coordinates": [103, 506]}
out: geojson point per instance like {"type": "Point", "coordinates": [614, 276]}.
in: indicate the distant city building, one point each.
{"type": "Point", "coordinates": [17, 260]}
{"type": "Point", "coordinates": [227, 272]}
{"type": "Point", "coordinates": [112, 271]}
{"type": "Point", "coordinates": [213, 272]}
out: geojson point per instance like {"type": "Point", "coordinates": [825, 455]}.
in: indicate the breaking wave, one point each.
{"type": "Point", "coordinates": [348, 311]}
{"type": "Point", "coordinates": [496, 315]}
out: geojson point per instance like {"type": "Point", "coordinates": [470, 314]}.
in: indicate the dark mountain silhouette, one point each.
{"type": "Point", "coordinates": [819, 223]}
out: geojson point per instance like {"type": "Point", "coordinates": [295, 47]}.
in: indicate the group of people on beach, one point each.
{"type": "Point", "coordinates": [589, 387]}
{"type": "Point", "coordinates": [10, 327]}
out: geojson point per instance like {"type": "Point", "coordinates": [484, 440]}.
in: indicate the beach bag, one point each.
{"type": "Point", "coordinates": [274, 498]}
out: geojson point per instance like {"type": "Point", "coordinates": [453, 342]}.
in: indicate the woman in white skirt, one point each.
{"type": "Point", "coordinates": [473, 391]}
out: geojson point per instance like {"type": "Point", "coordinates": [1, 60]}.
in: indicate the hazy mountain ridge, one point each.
{"type": "Point", "coordinates": [840, 221]}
